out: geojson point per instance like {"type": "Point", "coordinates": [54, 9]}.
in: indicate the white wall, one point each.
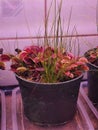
{"type": "Point", "coordinates": [23, 18]}
{"type": "Point", "coordinates": [26, 18]}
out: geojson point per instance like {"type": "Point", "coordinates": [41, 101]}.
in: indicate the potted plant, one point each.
{"type": "Point", "coordinates": [49, 81]}
{"type": "Point", "coordinates": [92, 75]}
{"type": "Point", "coordinates": [49, 77]}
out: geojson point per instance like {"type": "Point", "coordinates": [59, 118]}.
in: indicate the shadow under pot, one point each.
{"type": "Point", "coordinates": [49, 103]}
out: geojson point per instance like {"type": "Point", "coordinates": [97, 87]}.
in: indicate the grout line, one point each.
{"type": "Point", "coordinates": [84, 114]}
{"type": "Point", "coordinates": [40, 37]}
{"type": "Point", "coordinates": [14, 111]}
{"type": "Point", "coordinates": [78, 121]}
{"type": "Point", "coordinates": [93, 109]}
{"type": "Point", "coordinates": [22, 122]}
{"type": "Point", "coordinates": [3, 115]}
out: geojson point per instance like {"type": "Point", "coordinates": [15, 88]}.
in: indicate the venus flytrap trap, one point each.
{"type": "Point", "coordinates": [52, 61]}
{"type": "Point", "coordinates": [92, 56]}
{"type": "Point", "coordinates": [45, 64]}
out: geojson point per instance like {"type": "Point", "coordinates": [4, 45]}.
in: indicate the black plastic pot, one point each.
{"type": "Point", "coordinates": [92, 77]}
{"type": "Point", "coordinates": [49, 104]}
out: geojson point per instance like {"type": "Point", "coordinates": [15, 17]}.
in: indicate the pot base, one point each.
{"type": "Point", "coordinates": [48, 125]}
{"type": "Point", "coordinates": [50, 104]}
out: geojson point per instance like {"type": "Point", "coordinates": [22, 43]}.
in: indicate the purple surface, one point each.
{"type": "Point", "coordinates": [7, 78]}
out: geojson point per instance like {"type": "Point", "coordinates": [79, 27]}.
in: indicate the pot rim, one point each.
{"type": "Point", "coordinates": [72, 80]}
{"type": "Point", "coordinates": [88, 61]}
{"type": "Point", "coordinates": [93, 65]}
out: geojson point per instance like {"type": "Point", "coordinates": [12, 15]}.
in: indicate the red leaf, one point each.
{"type": "Point", "coordinates": [4, 57]}
{"type": "Point", "coordinates": [2, 66]}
